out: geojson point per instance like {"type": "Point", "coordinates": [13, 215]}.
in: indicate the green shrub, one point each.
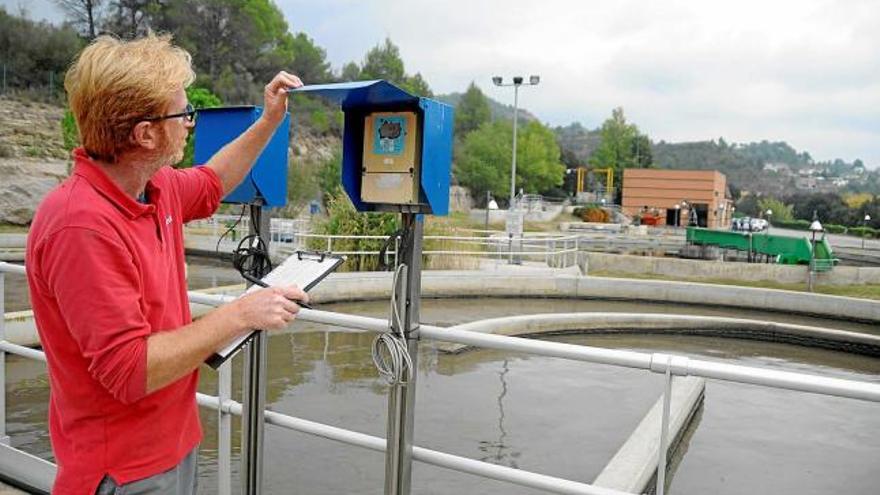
{"type": "Point", "coordinates": [320, 121]}
{"type": "Point", "coordinates": [198, 98]}
{"type": "Point", "coordinates": [864, 232]}
{"type": "Point", "coordinates": [343, 219]}
{"type": "Point", "coordinates": [69, 132]}
{"type": "Point", "coordinates": [833, 228]}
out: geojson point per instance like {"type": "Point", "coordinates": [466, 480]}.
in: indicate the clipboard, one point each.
{"type": "Point", "coordinates": [303, 268]}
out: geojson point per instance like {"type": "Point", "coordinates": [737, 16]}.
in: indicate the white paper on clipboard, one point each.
{"type": "Point", "coordinates": [303, 269]}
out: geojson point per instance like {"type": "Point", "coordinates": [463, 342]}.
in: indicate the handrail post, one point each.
{"type": "Point", "coordinates": [664, 431]}
{"type": "Point", "coordinates": [224, 431]}
{"type": "Point", "coordinates": [4, 438]}
{"type": "Point", "coordinates": [402, 398]}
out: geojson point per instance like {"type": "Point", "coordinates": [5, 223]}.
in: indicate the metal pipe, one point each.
{"type": "Point", "coordinates": [440, 459]}
{"type": "Point", "coordinates": [23, 351]}
{"type": "Point", "coordinates": [11, 268]}
{"type": "Point", "coordinates": [629, 359]}
{"type": "Point", "coordinates": [36, 474]}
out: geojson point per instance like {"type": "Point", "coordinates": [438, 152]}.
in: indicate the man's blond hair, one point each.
{"type": "Point", "coordinates": [114, 83]}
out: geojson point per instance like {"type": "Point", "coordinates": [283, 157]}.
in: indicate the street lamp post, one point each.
{"type": "Point", "coordinates": [769, 213]}
{"type": "Point", "coordinates": [517, 82]}
{"type": "Point", "coordinates": [814, 228]}
{"type": "Point", "coordinates": [865, 230]}
{"type": "Point", "coordinates": [677, 210]}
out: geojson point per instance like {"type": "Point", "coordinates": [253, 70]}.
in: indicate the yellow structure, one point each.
{"type": "Point", "coordinates": [582, 175]}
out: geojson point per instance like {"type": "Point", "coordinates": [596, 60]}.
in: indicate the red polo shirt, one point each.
{"type": "Point", "coordinates": [105, 271]}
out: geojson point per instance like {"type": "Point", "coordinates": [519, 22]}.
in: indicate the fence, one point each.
{"type": "Point", "coordinates": [289, 235]}
{"type": "Point", "coordinates": [37, 473]}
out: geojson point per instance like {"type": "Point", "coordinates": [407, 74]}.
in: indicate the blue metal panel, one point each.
{"type": "Point", "coordinates": [352, 146]}
{"type": "Point", "coordinates": [357, 94]}
{"type": "Point", "coordinates": [436, 154]}
{"type": "Point", "coordinates": [215, 127]}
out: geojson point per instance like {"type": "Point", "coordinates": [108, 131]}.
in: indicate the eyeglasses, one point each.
{"type": "Point", "coordinates": [189, 114]}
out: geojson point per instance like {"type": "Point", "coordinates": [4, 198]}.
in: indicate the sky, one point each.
{"type": "Point", "coordinates": [806, 72]}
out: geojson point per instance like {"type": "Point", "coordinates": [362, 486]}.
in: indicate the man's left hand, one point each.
{"type": "Point", "coordinates": [275, 96]}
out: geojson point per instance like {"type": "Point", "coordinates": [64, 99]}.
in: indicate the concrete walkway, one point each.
{"type": "Point", "coordinates": [8, 490]}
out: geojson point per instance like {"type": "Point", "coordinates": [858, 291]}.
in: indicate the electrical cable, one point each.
{"type": "Point", "coordinates": [229, 229]}
{"type": "Point", "coordinates": [402, 234]}
{"type": "Point", "coordinates": [390, 352]}
{"type": "Point", "coordinates": [251, 257]}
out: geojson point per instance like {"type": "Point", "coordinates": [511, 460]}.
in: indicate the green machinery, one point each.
{"type": "Point", "coordinates": [786, 250]}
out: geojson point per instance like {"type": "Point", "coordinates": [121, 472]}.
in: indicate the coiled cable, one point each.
{"type": "Point", "coordinates": [390, 352]}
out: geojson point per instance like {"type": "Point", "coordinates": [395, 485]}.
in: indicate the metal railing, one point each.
{"type": "Point", "coordinates": [662, 363]}
{"type": "Point", "coordinates": [554, 250]}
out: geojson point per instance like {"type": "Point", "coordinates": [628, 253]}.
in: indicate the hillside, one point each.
{"type": "Point", "coordinates": [764, 167]}
{"type": "Point", "coordinates": [33, 159]}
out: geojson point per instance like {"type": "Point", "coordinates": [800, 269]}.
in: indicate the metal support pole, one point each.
{"type": "Point", "coordinates": [513, 165]}
{"type": "Point", "coordinates": [224, 431]}
{"type": "Point", "coordinates": [402, 398]}
{"type": "Point", "coordinates": [254, 390]}
{"type": "Point", "coordinates": [664, 431]}
{"type": "Point", "coordinates": [4, 438]}
{"type": "Point", "coordinates": [489, 198]}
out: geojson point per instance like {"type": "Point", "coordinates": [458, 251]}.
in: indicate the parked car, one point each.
{"type": "Point", "coordinates": [748, 224]}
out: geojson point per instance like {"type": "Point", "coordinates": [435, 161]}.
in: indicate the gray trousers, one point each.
{"type": "Point", "coordinates": [182, 479]}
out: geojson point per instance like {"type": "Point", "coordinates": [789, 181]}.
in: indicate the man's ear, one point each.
{"type": "Point", "coordinates": [145, 134]}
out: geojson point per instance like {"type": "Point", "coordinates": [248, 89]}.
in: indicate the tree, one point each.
{"type": "Point", "coordinates": [616, 149]}
{"type": "Point", "coordinates": [130, 18]}
{"type": "Point", "coordinates": [781, 211]}
{"type": "Point", "coordinates": [472, 111]}
{"type": "Point", "coordinates": [748, 205]}
{"type": "Point", "coordinates": [642, 157]}
{"type": "Point", "coordinates": [383, 62]}
{"type": "Point", "coordinates": [830, 207]}
{"type": "Point", "coordinates": [237, 46]}
{"type": "Point", "coordinates": [538, 166]}
{"type": "Point", "coordinates": [35, 53]}
{"type": "Point", "coordinates": [309, 60]}
{"type": "Point", "coordinates": [350, 72]}
{"type": "Point", "coordinates": [417, 85]}
{"type": "Point", "coordinates": [484, 162]}
{"type": "Point", "coordinates": [83, 15]}
{"type": "Point", "coordinates": [199, 98]}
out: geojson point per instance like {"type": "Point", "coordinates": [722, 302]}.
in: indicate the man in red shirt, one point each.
{"type": "Point", "coordinates": [106, 273]}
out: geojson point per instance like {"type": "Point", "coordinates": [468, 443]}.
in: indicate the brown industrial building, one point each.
{"type": "Point", "coordinates": [677, 197]}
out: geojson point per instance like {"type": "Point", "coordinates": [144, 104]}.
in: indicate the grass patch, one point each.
{"type": "Point", "coordinates": [9, 228]}
{"type": "Point", "coordinates": [858, 291]}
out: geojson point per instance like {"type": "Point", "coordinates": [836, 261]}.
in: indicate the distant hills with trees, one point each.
{"type": "Point", "coordinates": [238, 45]}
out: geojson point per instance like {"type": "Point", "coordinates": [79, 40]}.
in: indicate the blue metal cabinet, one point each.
{"type": "Point", "coordinates": [357, 100]}
{"type": "Point", "coordinates": [215, 127]}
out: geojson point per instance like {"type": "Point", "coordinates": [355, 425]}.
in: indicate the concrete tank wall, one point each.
{"type": "Point", "coordinates": [699, 269]}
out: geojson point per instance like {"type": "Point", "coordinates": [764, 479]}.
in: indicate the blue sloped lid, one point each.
{"type": "Point", "coordinates": [359, 93]}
